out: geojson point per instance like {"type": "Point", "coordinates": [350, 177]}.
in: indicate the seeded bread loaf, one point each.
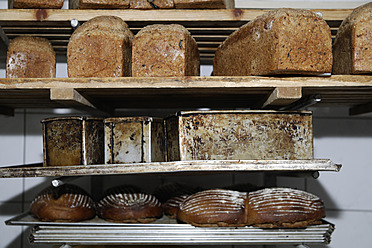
{"type": "Point", "coordinates": [216, 207]}
{"type": "Point", "coordinates": [36, 4]}
{"type": "Point", "coordinates": [30, 57]}
{"type": "Point", "coordinates": [283, 207]}
{"type": "Point", "coordinates": [99, 4]}
{"type": "Point", "coordinates": [352, 49]}
{"type": "Point", "coordinates": [68, 203]}
{"type": "Point", "coordinates": [101, 47]}
{"type": "Point", "coordinates": [122, 205]}
{"type": "Point", "coordinates": [164, 50]}
{"type": "Point", "coordinates": [282, 41]}
{"type": "Point", "coordinates": [204, 4]}
{"type": "Point", "coordinates": [151, 4]}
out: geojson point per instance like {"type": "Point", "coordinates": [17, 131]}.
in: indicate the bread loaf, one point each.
{"type": "Point", "coordinates": [283, 207]}
{"type": "Point", "coordinates": [120, 206]}
{"type": "Point", "coordinates": [99, 4]}
{"type": "Point", "coordinates": [282, 41]}
{"type": "Point", "coordinates": [352, 49]}
{"type": "Point", "coordinates": [204, 4]}
{"type": "Point", "coordinates": [66, 203]}
{"type": "Point", "coordinates": [172, 206]}
{"type": "Point", "coordinates": [151, 4]}
{"type": "Point", "coordinates": [36, 4]}
{"type": "Point", "coordinates": [216, 207]}
{"type": "Point", "coordinates": [30, 57]}
{"type": "Point", "coordinates": [101, 47]}
{"type": "Point", "coordinates": [165, 50]}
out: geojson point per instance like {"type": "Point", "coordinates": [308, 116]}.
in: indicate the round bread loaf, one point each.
{"type": "Point", "coordinates": [172, 206]}
{"type": "Point", "coordinates": [119, 205]}
{"type": "Point", "coordinates": [66, 203]}
{"type": "Point", "coordinates": [216, 207]}
{"type": "Point", "coordinates": [284, 207]}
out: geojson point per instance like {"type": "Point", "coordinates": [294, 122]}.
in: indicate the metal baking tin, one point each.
{"type": "Point", "coordinates": [134, 140]}
{"type": "Point", "coordinates": [72, 141]}
{"type": "Point", "coordinates": [240, 135]}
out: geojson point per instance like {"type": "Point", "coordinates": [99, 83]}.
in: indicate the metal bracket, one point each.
{"type": "Point", "coordinates": [62, 180]}
{"type": "Point", "coordinates": [303, 103]}
{"type": "Point", "coordinates": [65, 246]}
{"type": "Point", "coordinates": [75, 23]}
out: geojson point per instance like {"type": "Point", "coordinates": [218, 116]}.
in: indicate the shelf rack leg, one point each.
{"type": "Point", "coordinates": [65, 246]}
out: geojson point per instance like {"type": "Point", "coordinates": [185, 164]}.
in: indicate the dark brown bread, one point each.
{"type": "Point", "coordinates": [120, 206]}
{"type": "Point", "coordinates": [66, 203]}
{"type": "Point", "coordinates": [165, 50]}
{"type": "Point", "coordinates": [30, 57]}
{"type": "Point", "coordinates": [99, 4]}
{"type": "Point", "coordinates": [36, 4]}
{"type": "Point", "coordinates": [282, 41]}
{"type": "Point", "coordinates": [283, 207]}
{"type": "Point", "coordinates": [204, 4]}
{"type": "Point", "coordinates": [216, 207]}
{"type": "Point", "coordinates": [151, 4]}
{"type": "Point", "coordinates": [352, 49]}
{"type": "Point", "coordinates": [172, 206]}
{"type": "Point", "coordinates": [101, 47]}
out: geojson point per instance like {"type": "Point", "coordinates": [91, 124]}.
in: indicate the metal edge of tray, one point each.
{"type": "Point", "coordinates": [195, 166]}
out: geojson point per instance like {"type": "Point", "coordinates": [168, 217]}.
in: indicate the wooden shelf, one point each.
{"type": "Point", "coordinates": [177, 167]}
{"type": "Point", "coordinates": [108, 94]}
{"type": "Point", "coordinates": [208, 27]}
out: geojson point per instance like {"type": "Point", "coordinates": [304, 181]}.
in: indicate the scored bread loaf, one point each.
{"type": "Point", "coordinates": [283, 207]}
{"type": "Point", "coordinates": [204, 4]}
{"type": "Point", "coordinates": [352, 49]}
{"type": "Point", "coordinates": [164, 50]}
{"type": "Point", "coordinates": [68, 203]}
{"type": "Point", "coordinates": [36, 4]}
{"type": "Point", "coordinates": [101, 47]}
{"type": "Point", "coordinates": [151, 4]}
{"type": "Point", "coordinates": [30, 57]}
{"type": "Point", "coordinates": [282, 41]}
{"type": "Point", "coordinates": [215, 207]}
{"type": "Point", "coordinates": [121, 204]}
{"type": "Point", "coordinates": [172, 206]}
{"type": "Point", "coordinates": [99, 4]}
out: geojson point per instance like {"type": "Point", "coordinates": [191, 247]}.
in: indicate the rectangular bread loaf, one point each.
{"type": "Point", "coordinates": [151, 4]}
{"type": "Point", "coordinates": [35, 4]}
{"type": "Point", "coordinates": [352, 49]}
{"type": "Point", "coordinates": [99, 4]}
{"type": "Point", "coordinates": [204, 4]}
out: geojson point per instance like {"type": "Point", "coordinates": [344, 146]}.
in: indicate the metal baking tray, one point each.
{"type": "Point", "coordinates": [166, 231]}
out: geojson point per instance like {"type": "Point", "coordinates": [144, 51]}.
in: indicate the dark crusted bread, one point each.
{"type": "Point", "coordinates": [282, 41]}
{"type": "Point", "coordinates": [204, 4]}
{"type": "Point", "coordinates": [283, 207]}
{"type": "Point", "coordinates": [172, 206]}
{"type": "Point", "coordinates": [352, 49]}
{"type": "Point", "coordinates": [101, 47]}
{"type": "Point", "coordinates": [216, 207]}
{"type": "Point", "coordinates": [30, 57]}
{"type": "Point", "coordinates": [66, 203]}
{"type": "Point", "coordinates": [151, 4]}
{"type": "Point", "coordinates": [36, 4]}
{"type": "Point", "coordinates": [98, 4]}
{"type": "Point", "coordinates": [122, 205]}
{"type": "Point", "coordinates": [165, 50]}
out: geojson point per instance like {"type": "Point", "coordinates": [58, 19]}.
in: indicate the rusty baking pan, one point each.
{"type": "Point", "coordinates": [240, 134]}
{"type": "Point", "coordinates": [73, 141]}
{"type": "Point", "coordinates": [134, 140]}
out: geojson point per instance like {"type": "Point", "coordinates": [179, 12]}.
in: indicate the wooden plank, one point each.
{"type": "Point", "coordinates": [166, 168]}
{"type": "Point", "coordinates": [361, 109]}
{"type": "Point", "coordinates": [72, 98]}
{"type": "Point", "coordinates": [283, 96]}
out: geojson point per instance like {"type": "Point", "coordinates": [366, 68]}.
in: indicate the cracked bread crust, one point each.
{"type": "Point", "coordinates": [282, 41]}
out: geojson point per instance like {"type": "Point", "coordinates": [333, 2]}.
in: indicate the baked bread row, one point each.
{"type": "Point", "coordinates": [267, 208]}
{"type": "Point", "coordinates": [282, 41]}
{"type": "Point", "coordinates": [124, 4]}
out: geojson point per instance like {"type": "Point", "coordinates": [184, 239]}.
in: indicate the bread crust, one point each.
{"type": "Point", "coordinates": [204, 4]}
{"type": "Point", "coordinates": [101, 47]}
{"type": "Point", "coordinates": [282, 41]}
{"type": "Point", "coordinates": [352, 49]}
{"type": "Point", "coordinates": [37, 4]}
{"type": "Point", "coordinates": [66, 203]}
{"type": "Point", "coordinates": [30, 57]}
{"type": "Point", "coordinates": [165, 51]}
{"type": "Point", "coordinates": [99, 4]}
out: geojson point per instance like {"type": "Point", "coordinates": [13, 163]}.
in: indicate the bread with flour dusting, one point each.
{"type": "Point", "coordinates": [126, 206]}
{"type": "Point", "coordinates": [283, 207]}
{"type": "Point", "coordinates": [215, 207]}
